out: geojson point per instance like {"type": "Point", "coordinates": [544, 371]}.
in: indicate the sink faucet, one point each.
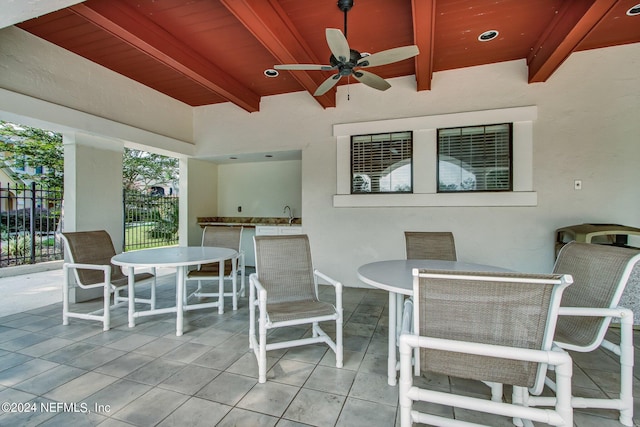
{"type": "Point", "coordinates": [290, 214]}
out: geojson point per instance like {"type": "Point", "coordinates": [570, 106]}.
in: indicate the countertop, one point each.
{"type": "Point", "coordinates": [247, 221]}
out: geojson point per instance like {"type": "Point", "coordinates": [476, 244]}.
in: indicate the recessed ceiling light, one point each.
{"type": "Point", "coordinates": [488, 35]}
{"type": "Point", "coordinates": [270, 72]}
{"type": "Point", "coordinates": [634, 11]}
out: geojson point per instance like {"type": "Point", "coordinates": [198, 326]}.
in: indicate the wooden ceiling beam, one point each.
{"type": "Point", "coordinates": [424, 18]}
{"type": "Point", "coordinates": [128, 25]}
{"type": "Point", "coordinates": [574, 21]}
{"type": "Point", "coordinates": [271, 26]}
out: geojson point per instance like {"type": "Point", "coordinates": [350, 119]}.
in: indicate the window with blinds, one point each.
{"type": "Point", "coordinates": [382, 163]}
{"type": "Point", "coordinates": [475, 158]}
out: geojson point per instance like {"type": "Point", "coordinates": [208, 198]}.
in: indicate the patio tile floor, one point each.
{"type": "Point", "coordinates": [148, 376]}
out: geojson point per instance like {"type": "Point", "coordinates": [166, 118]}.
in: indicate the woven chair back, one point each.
{"type": "Point", "coordinates": [600, 274]}
{"type": "Point", "coordinates": [223, 237]}
{"type": "Point", "coordinates": [92, 247]}
{"type": "Point", "coordinates": [507, 309]}
{"type": "Point", "coordinates": [284, 267]}
{"type": "Point", "coordinates": [430, 245]}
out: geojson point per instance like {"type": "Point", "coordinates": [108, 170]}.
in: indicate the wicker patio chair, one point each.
{"type": "Point", "coordinates": [600, 274]}
{"type": "Point", "coordinates": [430, 245]}
{"type": "Point", "coordinates": [224, 237]}
{"type": "Point", "coordinates": [284, 289]}
{"type": "Point", "coordinates": [90, 254]}
{"type": "Point", "coordinates": [490, 327]}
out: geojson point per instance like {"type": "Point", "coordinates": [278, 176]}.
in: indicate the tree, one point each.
{"type": "Point", "coordinates": [34, 147]}
{"type": "Point", "coordinates": [141, 169]}
{"type": "Point", "coordinates": [37, 148]}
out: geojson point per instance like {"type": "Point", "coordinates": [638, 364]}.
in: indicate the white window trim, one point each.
{"type": "Point", "coordinates": [425, 160]}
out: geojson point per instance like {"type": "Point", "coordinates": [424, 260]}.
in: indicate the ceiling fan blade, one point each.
{"type": "Point", "coordinates": [327, 84]}
{"type": "Point", "coordinates": [371, 80]}
{"type": "Point", "coordinates": [338, 44]}
{"type": "Point", "coordinates": [388, 56]}
{"type": "Point", "coordinates": [303, 67]}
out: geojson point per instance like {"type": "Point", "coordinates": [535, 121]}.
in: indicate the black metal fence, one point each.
{"type": "Point", "coordinates": [29, 218]}
{"type": "Point", "coordinates": [151, 220]}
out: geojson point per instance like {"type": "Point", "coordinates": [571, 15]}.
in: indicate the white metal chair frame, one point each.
{"type": "Point", "coordinates": [259, 298]}
{"type": "Point", "coordinates": [237, 267]}
{"type": "Point", "coordinates": [109, 285]}
{"type": "Point", "coordinates": [595, 257]}
{"type": "Point", "coordinates": [561, 415]}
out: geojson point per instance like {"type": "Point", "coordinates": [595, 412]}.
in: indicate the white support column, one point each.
{"type": "Point", "coordinates": [93, 190]}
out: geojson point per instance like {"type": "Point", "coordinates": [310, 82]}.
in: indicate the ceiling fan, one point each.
{"type": "Point", "coordinates": [349, 62]}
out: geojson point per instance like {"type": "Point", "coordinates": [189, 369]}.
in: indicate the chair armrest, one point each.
{"type": "Point", "coordinates": [255, 282]}
{"type": "Point", "coordinates": [328, 279]}
{"type": "Point", "coordinates": [105, 268]}
{"type": "Point", "coordinates": [88, 266]}
{"type": "Point", "coordinates": [619, 312]}
{"type": "Point", "coordinates": [333, 283]}
{"type": "Point", "coordinates": [261, 301]}
{"type": "Point", "coordinates": [553, 357]}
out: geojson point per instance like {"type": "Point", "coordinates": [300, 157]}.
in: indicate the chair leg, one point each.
{"type": "Point", "coordinates": [242, 290]}
{"type": "Point", "coordinates": [65, 295]}
{"type": "Point", "coordinates": [496, 391]}
{"type": "Point", "coordinates": [404, 385]}
{"type": "Point", "coordinates": [252, 315]}
{"type": "Point", "coordinates": [339, 346]}
{"type": "Point", "coordinates": [262, 350]}
{"type": "Point", "coordinates": [153, 289]}
{"type": "Point", "coordinates": [106, 320]}
{"type": "Point", "coordinates": [116, 296]}
{"type": "Point", "coordinates": [518, 396]}
{"type": "Point", "coordinates": [234, 282]}
{"type": "Point", "coordinates": [626, 370]}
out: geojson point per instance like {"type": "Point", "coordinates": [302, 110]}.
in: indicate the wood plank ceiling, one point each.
{"type": "Point", "coordinates": [205, 52]}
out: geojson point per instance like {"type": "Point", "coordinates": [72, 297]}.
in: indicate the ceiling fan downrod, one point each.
{"type": "Point", "coordinates": [345, 6]}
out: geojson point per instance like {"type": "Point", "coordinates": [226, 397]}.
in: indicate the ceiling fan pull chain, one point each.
{"type": "Point", "coordinates": [348, 88]}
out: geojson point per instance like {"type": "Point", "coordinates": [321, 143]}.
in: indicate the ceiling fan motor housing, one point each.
{"type": "Point", "coordinates": [344, 68]}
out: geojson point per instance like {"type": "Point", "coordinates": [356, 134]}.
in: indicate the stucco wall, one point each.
{"type": "Point", "coordinates": [262, 189]}
{"type": "Point", "coordinates": [586, 129]}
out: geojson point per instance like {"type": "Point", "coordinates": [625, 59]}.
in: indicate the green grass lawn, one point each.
{"type": "Point", "coordinates": [138, 237]}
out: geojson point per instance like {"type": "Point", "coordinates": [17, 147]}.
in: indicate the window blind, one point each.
{"type": "Point", "coordinates": [382, 163]}
{"type": "Point", "coordinates": [475, 158]}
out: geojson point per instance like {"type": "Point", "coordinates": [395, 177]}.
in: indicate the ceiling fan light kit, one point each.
{"type": "Point", "coordinates": [347, 62]}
